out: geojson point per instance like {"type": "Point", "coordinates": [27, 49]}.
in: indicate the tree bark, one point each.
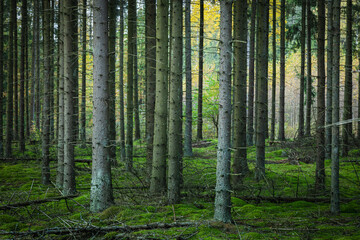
{"type": "Point", "coordinates": [240, 166]}
{"type": "Point", "coordinates": [348, 97]}
{"type": "Point", "coordinates": [335, 193]}
{"type": "Point", "coordinates": [121, 85]}
{"type": "Point", "coordinates": [158, 174]}
{"type": "Point", "coordinates": [1, 77]}
{"type": "Point", "coordinates": [302, 69]}
{"type": "Point", "coordinates": [136, 87]}
{"type": "Point", "coordinates": [222, 210]}
{"type": "Point", "coordinates": [262, 58]}
{"type": "Point", "coordinates": [83, 75]}
{"type": "Point", "coordinates": [188, 122]}
{"type": "Point", "coordinates": [250, 117]}
{"type": "Point", "coordinates": [101, 196]}
{"type": "Point", "coordinates": [282, 75]}
{"type": "Point", "coordinates": [273, 89]}
{"type": "Point", "coordinates": [175, 114]}
{"type": "Point", "coordinates": [201, 70]}
{"type": "Point", "coordinates": [16, 82]}
{"type": "Point", "coordinates": [309, 77]}
{"type": "Point", "coordinates": [320, 131]}
{"type": "Point", "coordinates": [70, 77]}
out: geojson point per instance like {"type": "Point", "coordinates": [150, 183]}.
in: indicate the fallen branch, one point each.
{"type": "Point", "coordinates": [23, 204]}
{"type": "Point", "coordinates": [94, 229]}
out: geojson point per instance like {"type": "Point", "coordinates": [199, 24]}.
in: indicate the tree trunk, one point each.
{"type": "Point", "coordinates": [111, 82]}
{"type": "Point", "coordinates": [320, 131]}
{"type": "Point", "coordinates": [309, 77]}
{"type": "Point", "coordinates": [70, 72]}
{"type": "Point", "coordinates": [222, 190]}
{"type": "Point", "coordinates": [273, 90]}
{"type": "Point", "coordinates": [101, 196]}
{"type": "Point", "coordinates": [16, 81]}
{"type": "Point", "coordinates": [335, 193]}
{"type": "Point", "coordinates": [2, 62]}
{"type": "Point", "coordinates": [240, 166]}
{"type": "Point", "coordinates": [175, 114]}
{"type": "Point", "coordinates": [45, 137]}
{"type": "Point", "coordinates": [121, 85]}
{"type": "Point", "coordinates": [158, 174]}
{"type": "Point", "coordinates": [201, 70]}
{"type": "Point", "coordinates": [60, 149]}
{"type": "Point", "coordinates": [136, 87]}
{"type": "Point", "coordinates": [250, 117]}
{"type": "Point", "coordinates": [358, 124]}
{"type": "Point", "coordinates": [9, 110]}
{"type": "Point", "coordinates": [302, 71]}
{"type": "Point", "coordinates": [37, 65]}
{"type": "Point", "coordinates": [130, 84]}
{"type": "Point", "coordinates": [262, 58]}
{"type": "Point", "coordinates": [27, 79]}
{"type": "Point", "coordinates": [282, 75]}
{"type": "Point", "coordinates": [83, 75]}
{"type": "Point", "coordinates": [347, 114]}
{"type": "Point", "coordinates": [52, 71]}
{"type": "Point", "coordinates": [188, 122]}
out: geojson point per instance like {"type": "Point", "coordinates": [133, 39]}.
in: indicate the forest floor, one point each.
{"type": "Point", "coordinates": [282, 206]}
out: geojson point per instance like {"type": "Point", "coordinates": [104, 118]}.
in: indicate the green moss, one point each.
{"type": "Point", "coordinates": [111, 235]}
{"type": "Point", "coordinates": [238, 202]}
{"type": "Point", "coordinates": [252, 235]}
{"type": "Point", "coordinates": [110, 213]}
{"type": "Point", "coordinates": [351, 207]}
{"type": "Point", "coordinates": [301, 204]}
{"type": "Point", "coordinates": [4, 218]}
{"type": "Point", "coordinates": [354, 153]}
{"type": "Point", "coordinates": [12, 226]}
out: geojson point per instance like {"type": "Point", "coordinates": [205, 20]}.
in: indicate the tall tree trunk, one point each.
{"type": "Point", "coordinates": [22, 75]}
{"type": "Point", "coordinates": [111, 82]}
{"type": "Point", "coordinates": [33, 70]}
{"type": "Point", "coordinates": [188, 122]}
{"type": "Point", "coordinates": [60, 153]}
{"type": "Point", "coordinates": [309, 77]}
{"type": "Point", "coordinates": [70, 72]}
{"type": "Point", "coordinates": [201, 70]}
{"type": "Point", "coordinates": [240, 166]}
{"type": "Point", "coordinates": [302, 71]}
{"type": "Point", "coordinates": [1, 77]}
{"type": "Point", "coordinates": [27, 100]}
{"type": "Point", "coordinates": [262, 58]}
{"type": "Point", "coordinates": [101, 187]}
{"type": "Point", "coordinates": [130, 84]}
{"type": "Point", "coordinates": [16, 81]}
{"type": "Point", "coordinates": [83, 75]}
{"type": "Point", "coordinates": [320, 132]}
{"type": "Point", "coordinates": [347, 114]}
{"type": "Point", "coordinates": [358, 124]}
{"type": "Point", "coordinates": [52, 70]}
{"type": "Point", "coordinates": [282, 74]}
{"type": "Point", "coordinates": [273, 90]}
{"type": "Point", "coordinates": [335, 192]}
{"type": "Point", "coordinates": [158, 174]}
{"type": "Point", "coordinates": [45, 173]}
{"type": "Point", "coordinates": [121, 84]}
{"type": "Point", "coordinates": [37, 66]}
{"type": "Point", "coordinates": [9, 110]}
{"type": "Point", "coordinates": [222, 190]}
{"type": "Point", "coordinates": [328, 135]}
{"type": "Point", "coordinates": [250, 117]}
{"type": "Point", "coordinates": [175, 114]}
{"type": "Point", "coordinates": [150, 49]}
{"type": "Point", "coordinates": [136, 87]}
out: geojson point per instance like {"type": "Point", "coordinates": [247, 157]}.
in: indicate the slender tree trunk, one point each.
{"type": "Point", "coordinates": [201, 70]}
{"type": "Point", "coordinates": [70, 72]}
{"type": "Point", "coordinates": [27, 100]}
{"type": "Point", "coordinates": [158, 174]}
{"type": "Point", "coordinates": [22, 75]}
{"type": "Point", "coordinates": [282, 75]}
{"type": "Point", "coordinates": [175, 114]}
{"type": "Point", "coordinates": [60, 153]}
{"type": "Point", "coordinates": [136, 87]}
{"type": "Point", "coordinates": [52, 71]}
{"type": "Point", "coordinates": [37, 66]}
{"type": "Point", "coordinates": [320, 131]}
{"type": "Point", "coordinates": [111, 82]}
{"type": "Point", "coordinates": [130, 84]}
{"type": "Point", "coordinates": [150, 48]}
{"type": "Point", "coordinates": [240, 166]}
{"type": "Point", "coordinates": [348, 97]}
{"type": "Point", "coordinates": [9, 110]}
{"type": "Point", "coordinates": [188, 122]}
{"type": "Point", "coordinates": [222, 190]}
{"type": "Point", "coordinates": [358, 124]}
{"type": "Point", "coordinates": [328, 135]}
{"type": "Point", "coordinates": [250, 117]}
{"type": "Point", "coordinates": [45, 173]}
{"type": "Point", "coordinates": [262, 57]}
{"type": "Point", "coordinates": [273, 90]}
{"type": "Point", "coordinates": [101, 196]}
{"type": "Point", "coordinates": [83, 75]}
{"type": "Point", "coordinates": [2, 62]}
{"type": "Point", "coordinates": [121, 85]}
{"type": "Point", "coordinates": [335, 193]}
{"type": "Point", "coordinates": [33, 70]}
{"type": "Point", "coordinates": [302, 71]}
{"type": "Point", "coordinates": [309, 77]}
{"type": "Point", "coordinates": [16, 81]}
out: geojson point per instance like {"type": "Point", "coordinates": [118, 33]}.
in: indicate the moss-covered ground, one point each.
{"type": "Point", "coordinates": [290, 172]}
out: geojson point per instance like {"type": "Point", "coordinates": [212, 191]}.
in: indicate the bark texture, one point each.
{"type": "Point", "coordinates": [282, 74]}
{"type": "Point", "coordinates": [273, 89]}
{"type": "Point", "coordinates": [201, 71]}
{"type": "Point", "coordinates": [121, 85]}
{"type": "Point", "coordinates": [308, 76]}
{"type": "Point", "coordinates": [302, 69]}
